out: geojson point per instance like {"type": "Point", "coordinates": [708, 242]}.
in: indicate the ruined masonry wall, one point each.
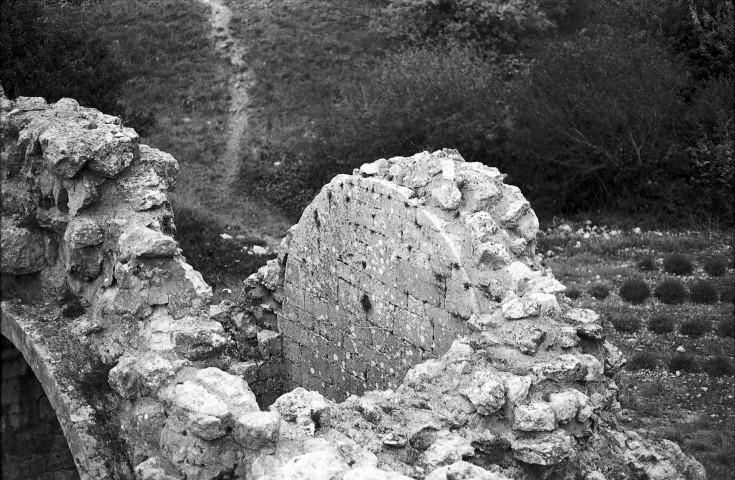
{"type": "Point", "coordinates": [414, 251]}
{"type": "Point", "coordinates": [387, 266]}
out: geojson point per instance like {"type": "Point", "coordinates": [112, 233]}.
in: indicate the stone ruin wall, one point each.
{"type": "Point", "coordinates": [430, 255]}
{"type": "Point", "coordinates": [387, 267]}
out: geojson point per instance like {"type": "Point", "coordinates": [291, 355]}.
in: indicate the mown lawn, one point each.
{"type": "Point", "coordinates": [679, 383]}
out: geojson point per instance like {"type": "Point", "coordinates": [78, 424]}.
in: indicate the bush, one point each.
{"type": "Point", "coordinates": [573, 293]}
{"type": "Point", "coordinates": [715, 267]}
{"type": "Point", "coordinates": [726, 327]}
{"type": "Point", "coordinates": [600, 291]}
{"type": "Point", "coordinates": [718, 366]}
{"type": "Point", "coordinates": [625, 324]}
{"type": "Point", "coordinates": [416, 99]}
{"type": "Point", "coordinates": [577, 93]}
{"type": "Point", "coordinates": [671, 291]}
{"type": "Point", "coordinates": [661, 324]}
{"type": "Point", "coordinates": [678, 264]}
{"type": "Point", "coordinates": [703, 292]}
{"type": "Point", "coordinates": [635, 290]}
{"type": "Point", "coordinates": [682, 362]}
{"type": "Point", "coordinates": [694, 327]}
{"type": "Point", "coordinates": [728, 294]}
{"type": "Point", "coordinates": [51, 52]}
{"type": "Point", "coordinates": [494, 24]}
{"type": "Point", "coordinates": [644, 360]}
{"type": "Point", "coordinates": [647, 264]}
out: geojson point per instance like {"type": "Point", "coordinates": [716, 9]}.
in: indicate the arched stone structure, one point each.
{"type": "Point", "coordinates": [150, 380]}
{"type": "Point", "coordinates": [88, 455]}
{"type": "Point", "coordinates": [32, 444]}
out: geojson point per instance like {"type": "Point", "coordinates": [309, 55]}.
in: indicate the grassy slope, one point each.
{"type": "Point", "coordinates": [179, 77]}
{"type": "Point", "coordinates": [695, 409]}
{"type": "Point", "coordinates": [301, 53]}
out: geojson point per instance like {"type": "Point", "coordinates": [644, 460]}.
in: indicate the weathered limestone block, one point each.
{"type": "Point", "coordinates": [138, 241]}
{"type": "Point", "coordinates": [155, 468]}
{"type": "Point", "coordinates": [464, 471]}
{"type": "Point", "coordinates": [83, 232]}
{"type": "Point", "coordinates": [565, 404]}
{"type": "Point", "coordinates": [545, 450]}
{"type": "Point", "coordinates": [486, 392]}
{"type": "Point", "coordinates": [193, 338]}
{"type": "Point", "coordinates": [142, 373]}
{"type": "Point", "coordinates": [210, 403]}
{"type": "Point", "coordinates": [258, 430]}
{"type": "Point", "coordinates": [22, 249]}
{"type": "Point", "coordinates": [447, 449]}
{"type": "Point", "coordinates": [308, 409]}
{"type": "Point", "coordinates": [534, 417]}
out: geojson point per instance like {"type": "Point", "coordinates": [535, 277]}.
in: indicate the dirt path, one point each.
{"type": "Point", "coordinates": [252, 214]}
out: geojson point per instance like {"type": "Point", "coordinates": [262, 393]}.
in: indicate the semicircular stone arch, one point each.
{"type": "Point", "coordinates": [74, 415]}
{"type": "Point", "coordinates": [387, 267]}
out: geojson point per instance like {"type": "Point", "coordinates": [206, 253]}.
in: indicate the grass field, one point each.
{"type": "Point", "coordinates": [677, 386]}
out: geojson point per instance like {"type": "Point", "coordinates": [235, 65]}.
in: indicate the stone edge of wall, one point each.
{"type": "Point", "coordinates": [71, 410]}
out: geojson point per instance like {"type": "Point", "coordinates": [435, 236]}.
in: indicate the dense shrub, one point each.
{"type": "Point", "coordinates": [694, 327]}
{"type": "Point", "coordinates": [600, 291]}
{"type": "Point", "coordinates": [645, 360]}
{"type": "Point", "coordinates": [647, 264]}
{"type": "Point", "coordinates": [422, 98]}
{"type": "Point", "coordinates": [635, 290]}
{"type": "Point", "coordinates": [703, 292]}
{"type": "Point", "coordinates": [726, 327]}
{"type": "Point", "coordinates": [51, 52]}
{"type": "Point", "coordinates": [573, 293]}
{"type": "Point", "coordinates": [728, 294]}
{"type": "Point", "coordinates": [492, 23]}
{"type": "Point", "coordinates": [625, 323]}
{"type": "Point", "coordinates": [678, 264]}
{"type": "Point", "coordinates": [715, 267]}
{"type": "Point", "coordinates": [598, 112]}
{"type": "Point", "coordinates": [683, 362]}
{"type": "Point", "coordinates": [718, 366]}
{"type": "Point", "coordinates": [661, 324]}
{"type": "Point", "coordinates": [671, 291]}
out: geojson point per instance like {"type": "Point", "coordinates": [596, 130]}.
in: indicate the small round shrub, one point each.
{"type": "Point", "coordinates": [661, 324]}
{"type": "Point", "coordinates": [635, 290]}
{"type": "Point", "coordinates": [647, 264]}
{"type": "Point", "coordinates": [718, 366]}
{"type": "Point", "coordinates": [678, 264]}
{"type": "Point", "coordinates": [694, 327]}
{"type": "Point", "coordinates": [625, 323]}
{"type": "Point", "coordinates": [671, 291]}
{"type": "Point", "coordinates": [726, 327]}
{"type": "Point", "coordinates": [599, 290]}
{"type": "Point", "coordinates": [715, 267]}
{"type": "Point", "coordinates": [703, 292]}
{"type": "Point", "coordinates": [573, 293]}
{"type": "Point", "coordinates": [728, 294]}
{"type": "Point", "coordinates": [682, 362]}
{"type": "Point", "coordinates": [645, 360]}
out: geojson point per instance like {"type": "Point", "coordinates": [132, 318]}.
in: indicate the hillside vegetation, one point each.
{"type": "Point", "coordinates": [624, 106]}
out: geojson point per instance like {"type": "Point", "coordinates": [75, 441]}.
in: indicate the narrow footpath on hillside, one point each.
{"type": "Point", "coordinates": [254, 215]}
